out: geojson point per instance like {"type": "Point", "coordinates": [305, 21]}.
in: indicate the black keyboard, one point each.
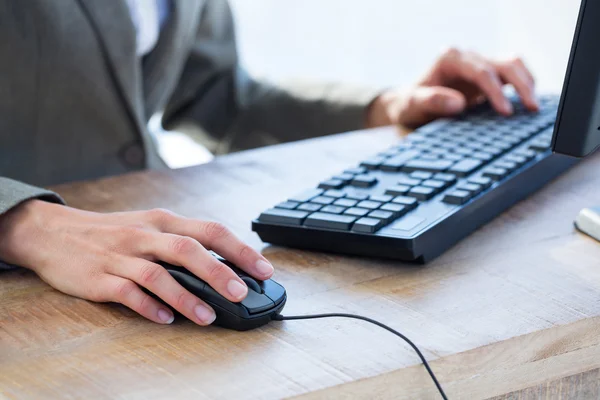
{"type": "Point", "coordinates": [422, 195]}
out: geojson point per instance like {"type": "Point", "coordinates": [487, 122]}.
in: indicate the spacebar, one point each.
{"type": "Point", "coordinates": [330, 221]}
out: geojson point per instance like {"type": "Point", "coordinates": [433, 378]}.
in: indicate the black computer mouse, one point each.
{"type": "Point", "coordinates": [264, 300]}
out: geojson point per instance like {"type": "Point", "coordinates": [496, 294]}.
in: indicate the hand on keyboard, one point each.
{"type": "Point", "coordinates": [415, 199]}
{"type": "Point", "coordinates": [456, 81]}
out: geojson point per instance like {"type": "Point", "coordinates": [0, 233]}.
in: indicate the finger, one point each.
{"type": "Point", "coordinates": [515, 74]}
{"type": "Point", "coordinates": [484, 75]}
{"type": "Point", "coordinates": [425, 104]}
{"type": "Point", "coordinates": [158, 281]}
{"type": "Point", "coordinates": [190, 254]}
{"type": "Point", "coordinates": [217, 237]}
{"type": "Point", "coordinates": [521, 63]}
{"type": "Point", "coordinates": [126, 292]}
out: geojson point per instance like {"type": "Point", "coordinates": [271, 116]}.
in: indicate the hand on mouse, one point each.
{"type": "Point", "coordinates": [456, 81]}
{"type": "Point", "coordinates": [104, 257]}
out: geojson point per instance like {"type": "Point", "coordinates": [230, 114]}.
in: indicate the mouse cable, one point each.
{"type": "Point", "coordinates": [279, 317]}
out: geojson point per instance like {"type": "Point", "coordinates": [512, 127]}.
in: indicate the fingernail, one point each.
{"type": "Point", "coordinates": [236, 289]}
{"type": "Point", "coordinates": [166, 317]}
{"type": "Point", "coordinates": [508, 107]}
{"type": "Point", "coordinates": [204, 314]}
{"type": "Point", "coordinates": [264, 268]}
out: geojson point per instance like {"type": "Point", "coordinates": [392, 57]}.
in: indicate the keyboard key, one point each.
{"type": "Point", "coordinates": [472, 188]}
{"type": "Point", "coordinates": [367, 225]}
{"type": "Point", "coordinates": [394, 163]}
{"type": "Point", "coordinates": [333, 209]}
{"type": "Point", "coordinates": [507, 165]}
{"type": "Point", "coordinates": [482, 181]}
{"type": "Point", "coordinates": [495, 151]}
{"type": "Point", "coordinates": [288, 205]}
{"type": "Point", "coordinates": [428, 166]}
{"type": "Point", "coordinates": [540, 145]}
{"type": "Point", "coordinates": [383, 198]}
{"type": "Point", "coordinates": [449, 146]}
{"type": "Point", "coordinates": [406, 201]}
{"type": "Point", "coordinates": [422, 193]}
{"type": "Point", "coordinates": [397, 209]}
{"type": "Point", "coordinates": [358, 212]}
{"type": "Point", "coordinates": [373, 163]}
{"type": "Point", "coordinates": [346, 178]}
{"type": "Point", "coordinates": [429, 157]}
{"type": "Point", "coordinates": [517, 159]}
{"type": "Point", "coordinates": [323, 200]}
{"type": "Point", "coordinates": [437, 185]}
{"type": "Point", "coordinates": [476, 146]}
{"type": "Point", "coordinates": [421, 175]}
{"type": "Point", "coordinates": [357, 196]}
{"type": "Point", "coordinates": [495, 173]}
{"type": "Point", "coordinates": [511, 140]}
{"type": "Point", "coordinates": [338, 194]}
{"type": "Point", "coordinates": [453, 157]}
{"type": "Point", "coordinates": [482, 155]}
{"type": "Point", "coordinates": [345, 202]}
{"type": "Point", "coordinates": [502, 145]}
{"type": "Point", "coordinates": [424, 147]}
{"type": "Point", "coordinates": [309, 207]}
{"type": "Point", "coordinates": [528, 154]}
{"type": "Point", "coordinates": [448, 178]}
{"type": "Point", "coordinates": [306, 196]}
{"type": "Point", "coordinates": [398, 190]}
{"type": "Point", "coordinates": [331, 184]}
{"type": "Point", "coordinates": [417, 137]}
{"type": "Point", "coordinates": [522, 133]}
{"type": "Point", "coordinates": [282, 216]}
{"type": "Point", "coordinates": [463, 151]}
{"type": "Point", "coordinates": [372, 205]}
{"type": "Point", "coordinates": [385, 216]}
{"type": "Point", "coordinates": [408, 181]}
{"type": "Point", "coordinates": [439, 151]}
{"type": "Point", "coordinates": [457, 197]}
{"type": "Point", "coordinates": [465, 167]}
{"type": "Point", "coordinates": [364, 181]}
{"type": "Point", "coordinates": [356, 171]}
{"type": "Point", "coordinates": [329, 221]}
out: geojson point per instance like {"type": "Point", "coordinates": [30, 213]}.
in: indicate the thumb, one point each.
{"type": "Point", "coordinates": [428, 103]}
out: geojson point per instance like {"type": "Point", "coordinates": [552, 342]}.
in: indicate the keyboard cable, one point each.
{"type": "Point", "coordinates": [279, 317]}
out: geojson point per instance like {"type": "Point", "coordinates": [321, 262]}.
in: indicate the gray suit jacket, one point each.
{"type": "Point", "coordinates": [75, 99]}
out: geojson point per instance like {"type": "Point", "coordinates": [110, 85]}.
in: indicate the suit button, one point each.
{"type": "Point", "coordinates": [133, 155]}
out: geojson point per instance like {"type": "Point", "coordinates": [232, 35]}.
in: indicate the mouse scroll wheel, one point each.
{"type": "Point", "coordinates": [251, 283]}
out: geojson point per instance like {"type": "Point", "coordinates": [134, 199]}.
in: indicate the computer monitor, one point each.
{"type": "Point", "coordinates": [577, 128]}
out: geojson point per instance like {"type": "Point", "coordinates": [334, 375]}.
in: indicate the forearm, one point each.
{"type": "Point", "coordinates": [299, 109]}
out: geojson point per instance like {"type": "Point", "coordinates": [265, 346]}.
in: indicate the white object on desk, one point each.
{"type": "Point", "coordinates": [588, 222]}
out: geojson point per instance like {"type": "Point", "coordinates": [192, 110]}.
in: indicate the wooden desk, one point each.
{"type": "Point", "coordinates": [512, 311]}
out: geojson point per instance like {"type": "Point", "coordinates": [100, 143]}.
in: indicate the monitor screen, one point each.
{"type": "Point", "coordinates": [577, 128]}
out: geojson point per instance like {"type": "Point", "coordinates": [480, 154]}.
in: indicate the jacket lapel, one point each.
{"type": "Point", "coordinates": [117, 37]}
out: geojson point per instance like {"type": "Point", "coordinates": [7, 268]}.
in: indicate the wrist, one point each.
{"type": "Point", "coordinates": [19, 228]}
{"type": "Point", "coordinates": [384, 109]}
{"type": "Point", "coordinates": [376, 115]}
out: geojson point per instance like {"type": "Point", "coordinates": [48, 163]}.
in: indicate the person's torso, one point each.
{"type": "Point", "coordinates": [74, 95]}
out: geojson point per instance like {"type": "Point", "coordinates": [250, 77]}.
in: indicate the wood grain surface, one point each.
{"type": "Point", "coordinates": [513, 311]}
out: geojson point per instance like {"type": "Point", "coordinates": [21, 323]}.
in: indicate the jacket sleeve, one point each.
{"type": "Point", "coordinates": [13, 193]}
{"type": "Point", "coordinates": [239, 110]}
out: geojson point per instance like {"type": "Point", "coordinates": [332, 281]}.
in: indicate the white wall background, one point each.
{"type": "Point", "coordinates": [391, 42]}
